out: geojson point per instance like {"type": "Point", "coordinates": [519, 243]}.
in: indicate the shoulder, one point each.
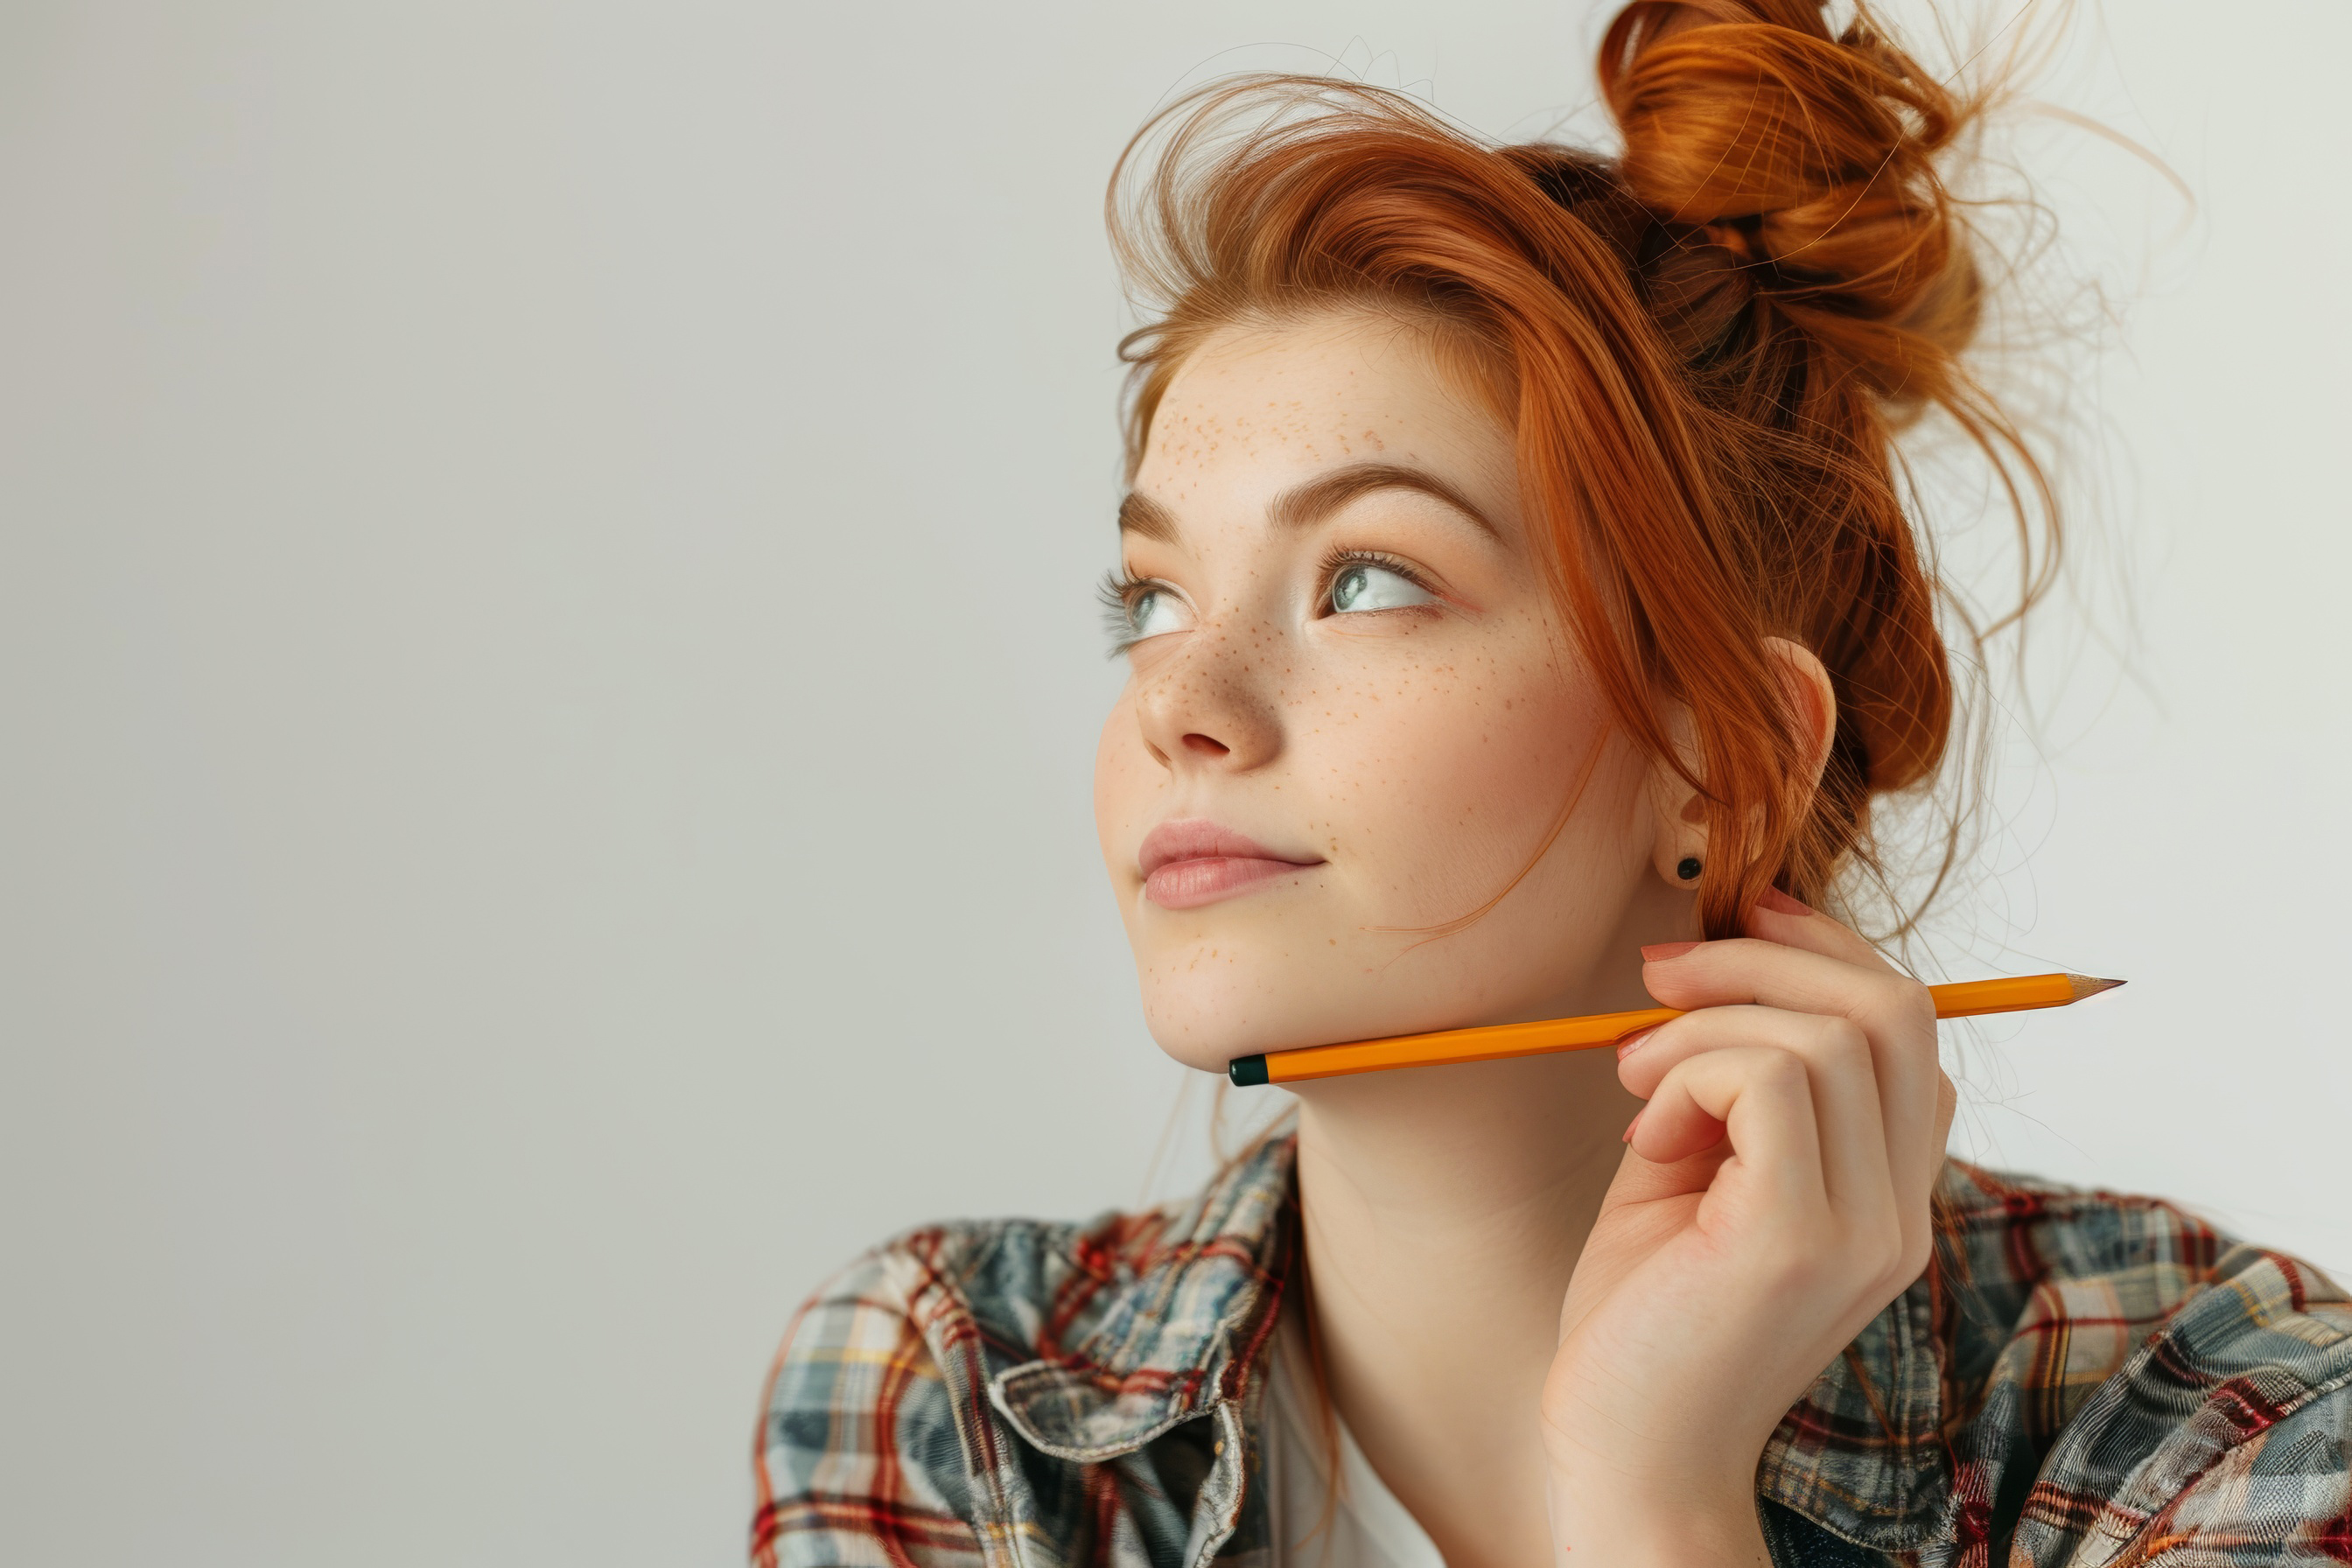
{"type": "Point", "coordinates": [930, 1395]}
{"type": "Point", "coordinates": [2119, 1369]}
{"type": "Point", "coordinates": [856, 1421]}
{"type": "Point", "coordinates": [2023, 1250]}
{"type": "Point", "coordinates": [866, 1432]}
{"type": "Point", "coordinates": [2025, 1256]}
{"type": "Point", "coordinates": [1017, 1288]}
{"type": "Point", "coordinates": [2027, 1227]}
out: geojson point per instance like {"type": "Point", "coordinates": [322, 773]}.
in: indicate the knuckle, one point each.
{"type": "Point", "coordinates": [1778, 1070]}
{"type": "Point", "coordinates": [1908, 1004]}
{"type": "Point", "coordinates": [1673, 1086]}
{"type": "Point", "coordinates": [1879, 1254]}
{"type": "Point", "coordinates": [1843, 1040]}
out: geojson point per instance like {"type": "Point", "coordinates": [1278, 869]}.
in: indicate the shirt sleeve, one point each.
{"type": "Point", "coordinates": [857, 1462]}
{"type": "Point", "coordinates": [2225, 1442]}
{"type": "Point", "coordinates": [2279, 1496]}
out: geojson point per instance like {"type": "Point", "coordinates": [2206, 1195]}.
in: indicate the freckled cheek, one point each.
{"type": "Point", "coordinates": [1457, 766]}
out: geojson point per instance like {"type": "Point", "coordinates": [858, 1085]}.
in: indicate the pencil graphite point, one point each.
{"type": "Point", "coordinates": [2089, 986]}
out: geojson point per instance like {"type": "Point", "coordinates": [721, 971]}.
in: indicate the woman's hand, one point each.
{"type": "Point", "coordinates": [1773, 1200]}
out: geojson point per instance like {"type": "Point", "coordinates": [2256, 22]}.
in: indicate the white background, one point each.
{"type": "Point", "coordinates": [548, 680]}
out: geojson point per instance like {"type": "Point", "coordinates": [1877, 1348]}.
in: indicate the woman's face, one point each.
{"type": "Point", "coordinates": [1352, 711]}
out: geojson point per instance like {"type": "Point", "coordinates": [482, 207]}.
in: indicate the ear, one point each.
{"type": "Point", "coordinates": [1812, 701]}
{"type": "Point", "coordinates": [1680, 810]}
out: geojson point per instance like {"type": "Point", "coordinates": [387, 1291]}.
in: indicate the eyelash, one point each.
{"type": "Point", "coordinates": [1116, 594]}
{"type": "Point", "coordinates": [1118, 588]}
{"type": "Point", "coordinates": [1339, 560]}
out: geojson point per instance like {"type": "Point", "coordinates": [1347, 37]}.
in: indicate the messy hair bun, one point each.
{"type": "Point", "coordinates": [1796, 172]}
{"type": "Point", "coordinates": [1704, 346]}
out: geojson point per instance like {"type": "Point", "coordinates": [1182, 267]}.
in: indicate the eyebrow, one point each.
{"type": "Point", "coordinates": [1305, 505]}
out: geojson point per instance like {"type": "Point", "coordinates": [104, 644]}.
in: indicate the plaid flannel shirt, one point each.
{"type": "Point", "coordinates": [2102, 1380]}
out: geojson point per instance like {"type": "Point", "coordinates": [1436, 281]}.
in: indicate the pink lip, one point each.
{"type": "Point", "coordinates": [1193, 861]}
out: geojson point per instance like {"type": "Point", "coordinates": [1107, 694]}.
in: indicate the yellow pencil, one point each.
{"type": "Point", "coordinates": [1966, 999]}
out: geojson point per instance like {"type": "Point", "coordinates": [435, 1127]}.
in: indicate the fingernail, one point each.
{"type": "Point", "coordinates": [1635, 1123]}
{"type": "Point", "coordinates": [1775, 900]}
{"type": "Point", "coordinates": [1666, 950]}
{"type": "Point", "coordinates": [1635, 1041]}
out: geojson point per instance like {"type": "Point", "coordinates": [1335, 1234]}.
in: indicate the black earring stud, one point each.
{"type": "Point", "coordinates": [1688, 869]}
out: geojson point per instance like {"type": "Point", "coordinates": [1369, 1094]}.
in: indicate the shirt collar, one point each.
{"type": "Point", "coordinates": [1189, 1310]}
{"type": "Point", "coordinates": [1187, 1304]}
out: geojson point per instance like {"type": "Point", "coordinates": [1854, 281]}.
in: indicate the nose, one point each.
{"type": "Point", "coordinates": [1207, 706]}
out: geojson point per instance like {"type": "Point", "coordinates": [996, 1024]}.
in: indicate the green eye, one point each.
{"type": "Point", "coordinates": [1154, 611]}
{"type": "Point", "coordinates": [1364, 586]}
{"type": "Point", "coordinates": [1136, 608]}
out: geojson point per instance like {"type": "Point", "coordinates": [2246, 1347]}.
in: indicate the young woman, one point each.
{"type": "Point", "coordinates": [1524, 621]}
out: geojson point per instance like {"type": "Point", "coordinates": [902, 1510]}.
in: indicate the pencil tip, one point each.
{"type": "Point", "coordinates": [1247, 1072]}
{"type": "Point", "coordinates": [2090, 985]}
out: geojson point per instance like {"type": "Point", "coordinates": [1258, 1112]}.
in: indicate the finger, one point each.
{"type": "Point", "coordinates": [1761, 1100]}
{"type": "Point", "coordinates": [1856, 1174]}
{"type": "Point", "coordinates": [1780, 974]}
{"type": "Point", "coordinates": [1777, 917]}
{"type": "Point", "coordinates": [1948, 1103]}
{"type": "Point", "coordinates": [1896, 1013]}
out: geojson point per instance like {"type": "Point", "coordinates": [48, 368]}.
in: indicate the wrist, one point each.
{"type": "Point", "coordinates": [1682, 1526]}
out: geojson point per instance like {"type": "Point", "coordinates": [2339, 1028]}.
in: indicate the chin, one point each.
{"type": "Point", "coordinates": [1207, 1037]}
{"type": "Point", "coordinates": [1207, 1026]}
{"type": "Point", "coordinates": [1206, 1021]}
{"type": "Point", "coordinates": [1207, 1004]}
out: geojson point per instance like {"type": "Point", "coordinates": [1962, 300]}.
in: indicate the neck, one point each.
{"type": "Point", "coordinates": [1443, 1210]}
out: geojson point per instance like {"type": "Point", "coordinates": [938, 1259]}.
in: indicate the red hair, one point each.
{"type": "Point", "coordinates": [1704, 348]}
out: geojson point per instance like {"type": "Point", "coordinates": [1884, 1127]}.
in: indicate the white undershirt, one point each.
{"type": "Point", "coordinates": [1369, 1528]}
